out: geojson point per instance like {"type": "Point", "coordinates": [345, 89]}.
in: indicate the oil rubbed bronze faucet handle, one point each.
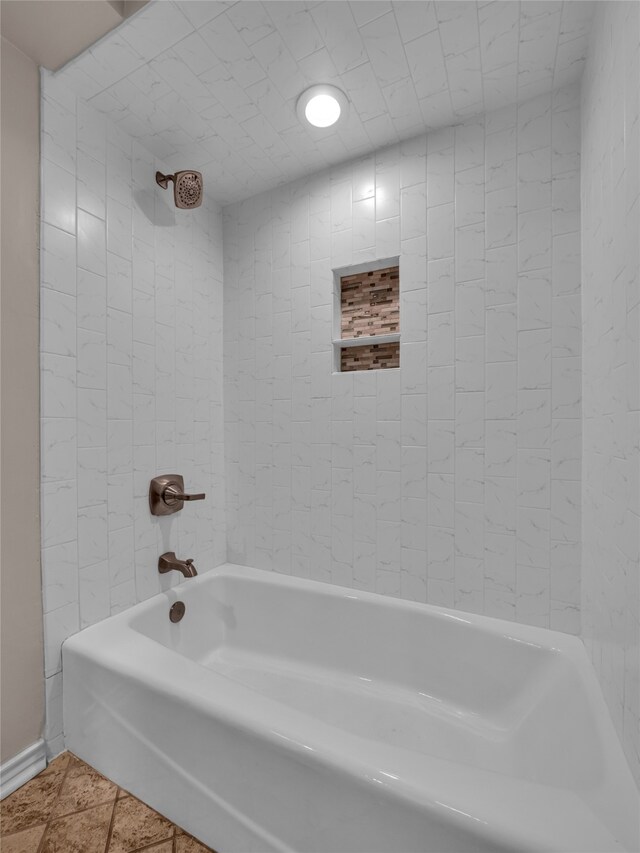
{"type": "Point", "coordinates": [167, 494]}
{"type": "Point", "coordinates": [171, 494]}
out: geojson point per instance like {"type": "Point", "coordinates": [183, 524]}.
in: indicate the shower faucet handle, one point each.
{"type": "Point", "coordinates": [171, 494]}
{"type": "Point", "coordinates": [167, 494]}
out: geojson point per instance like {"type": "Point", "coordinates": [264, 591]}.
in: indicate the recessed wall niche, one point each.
{"type": "Point", "coordinates": [367, 316]}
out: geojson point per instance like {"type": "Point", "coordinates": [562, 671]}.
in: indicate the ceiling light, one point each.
{"type": "Point", "coordinates": [321, 106]}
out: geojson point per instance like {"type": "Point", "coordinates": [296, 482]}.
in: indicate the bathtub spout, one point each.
{"type": "Point", "coordinates": [168, 561]}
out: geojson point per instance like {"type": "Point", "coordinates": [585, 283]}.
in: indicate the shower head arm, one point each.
{"type": "Point", "coordinates": [163, 180]}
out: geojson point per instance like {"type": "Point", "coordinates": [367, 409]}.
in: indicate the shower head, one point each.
{"type": "Point", "coordinates": [187, 187]}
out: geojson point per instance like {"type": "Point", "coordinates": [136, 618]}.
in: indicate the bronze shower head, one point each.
{"type": "Point", "coordinates": [187, 187]}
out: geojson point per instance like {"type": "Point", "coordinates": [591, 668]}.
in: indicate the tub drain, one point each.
{"type": "Point", "coordinates": [177, 611]}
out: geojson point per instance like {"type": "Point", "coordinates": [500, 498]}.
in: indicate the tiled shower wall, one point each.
{"type": "Point", "coordinates": [456, 478]}
{"type": "Point", "coordinates": [131, 309]}
{"type": "Point", "coordinates": [611, 382]}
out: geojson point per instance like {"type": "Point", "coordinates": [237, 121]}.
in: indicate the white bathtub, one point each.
{"type": "Point", "coordinates": [284, 714]}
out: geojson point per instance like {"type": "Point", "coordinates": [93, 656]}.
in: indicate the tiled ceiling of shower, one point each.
{"type": "Point", "coordinates": [213, 85]}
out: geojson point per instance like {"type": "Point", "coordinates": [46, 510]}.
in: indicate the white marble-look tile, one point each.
{"type": "Point", "coordinates": [469, 530]}
{"type": "Point", "coordinates": [53, 703]}
{"type": "Point", "coordinates": [91, 185]}
{"type": "Point", "coordinates": [500, 562]}
{"type": "Point", "coordinates": [565, 572]}
{"type": "Point", "coordinates": [440, 174]}
{"type": "Point", "coordinates": [92, 418]}
{"type": "Point", "coordinates": [59, 513]}
{"type": "Point", "coordinates": [414, 419]}
{"type": "Point", "coordinates": [567, 326]}
{"type": "Point", "coordinates": [469, 308]}
{"type": "Point", "coordinates": [440, 446]}
{"type": "Point", "coordinates": [92, 358]}
{"type": "Point", "coordinates": [564, 617]}
{"type": "Point", "coordinates": [440, 392]}
{"type": "Point", "coordinates": [534, 418]}
{"type": "Point", "coordinates": [499, 504]}
{"type": "Point", "coordinates": [501, 275]}
{"type": "Point", "coordinates": [500, 163]}
{"type": "Point", "coordinates": [58, 260]}
{"type": "Point", "coordinates": [566, 394]}
{"type": "Point", "coordinates": [533, 535]}
{"type": "Point", "coordinates": [58, 441]}
{"type": "Point", "coordinates": [92, 476]}
{"type": "Point", "coordinates": [121, 549]}
{"type": "Point", "coordinates": [565, 202]}
{"type": "Point", "coordinates": [469, 252]}
{"type": "Point", "coordinates": [500, 448]}
{"type": "Point", "coordinates": [91, 302]}
{"type": "Point", "coordinates": [534, 478]}
{"type": "Point", "coordinates": [59, 197]}
{"type": "Point", "coordinates": [58, 386]}
{"type": "Point", "coordinates": [470, 365]}
{"type": "Point", "coordinates": [469, 595]}
{"type": "Point", "coordinates": [58, 625]}
{"type": "Point", "coordinates": [534, 239]}
{"type": "Point", "coordinates": [534, 360]}
{"type": "Point", "coordinates": [59, 576]}
{"type": "Point", "coordinates": [565, 267]}
{"type": "Point", "coordinates": [119, 392]}
{"type": "Point", "coordinates": [534, 179]}
{"type": "Point", "coordinates": [441, 286]}
{"type": "Point", "coordinates": [120, 501]}
{"type": "Point", "coordinates": [440, 548]}
{"type": "Point", "coordinates": [532, 595]}
{"type": "Point", "coordinates": [119, 337]}
{"type": "Point", "coordinates": [122, 596]}
{"type": "Point", "coordinates": [119, 174]}
{"type": "Point", "coordinates": [440, 339]}
{"type": "Point", "coordinates": [565, 510]}
{"type": "Point", "coordinates": [91, 243]}
{"type": "Point", "coordinates": [534, 124]}
{"type": "Point", "coordinates": [469, 196]}
{"type": "Point", "coordinates": [94, 593]}
{"type": "Point", "coordinates": [92, 534]}
{"type": "Point", "coordinates": [501, 386]}
{"type": "Point", "coordinates": [501, 218]}
{"type": "Point", "coordinates": [534, 300]}
{"type": "Point", "coordinates": [441, 231]}
{"type": "Point", "coordinates": [58, 323]}
{"type": "Point", "coordinates": [469, 474]}
{"type": "Point", "coordinates": [501, 333]}
{"type": "Point", "coordinates": [440, 499]}
{"type": "Point", "coordinates": [566, 448]}
{"type": "Point", "coordinates": [119, 228]}
{"type": "Point", "coordinates": [91, 132]}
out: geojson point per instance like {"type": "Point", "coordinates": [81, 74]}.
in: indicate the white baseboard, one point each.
{"type": "Point", "coordinates": [22, 767]}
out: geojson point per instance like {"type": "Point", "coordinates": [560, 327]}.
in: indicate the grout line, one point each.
{"type": "Point", "coordinates": [53, 804]}
{"type": "Point", "coordinates": [111, 822]}
{"type": "Point", "coordinates": [153, 844]}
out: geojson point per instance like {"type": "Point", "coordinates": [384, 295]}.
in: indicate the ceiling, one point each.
{"type": "Point", "coordinates": [213, 85]}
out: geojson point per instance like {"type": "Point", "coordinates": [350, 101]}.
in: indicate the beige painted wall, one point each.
{"type": "Point", "coordinates": [26, 43]}
{"type": "Point", "coordinates": [21, 658]}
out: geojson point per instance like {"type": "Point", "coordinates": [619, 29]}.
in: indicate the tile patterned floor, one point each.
{"type": "Point", "coordinates": [71, 808]}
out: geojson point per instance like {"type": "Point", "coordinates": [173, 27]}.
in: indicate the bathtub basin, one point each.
{"type": "Point", "coordinates": [284, 714]}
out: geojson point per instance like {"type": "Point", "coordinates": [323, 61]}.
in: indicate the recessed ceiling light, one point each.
{"type": "Point", "coordinates": [322, 106]}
